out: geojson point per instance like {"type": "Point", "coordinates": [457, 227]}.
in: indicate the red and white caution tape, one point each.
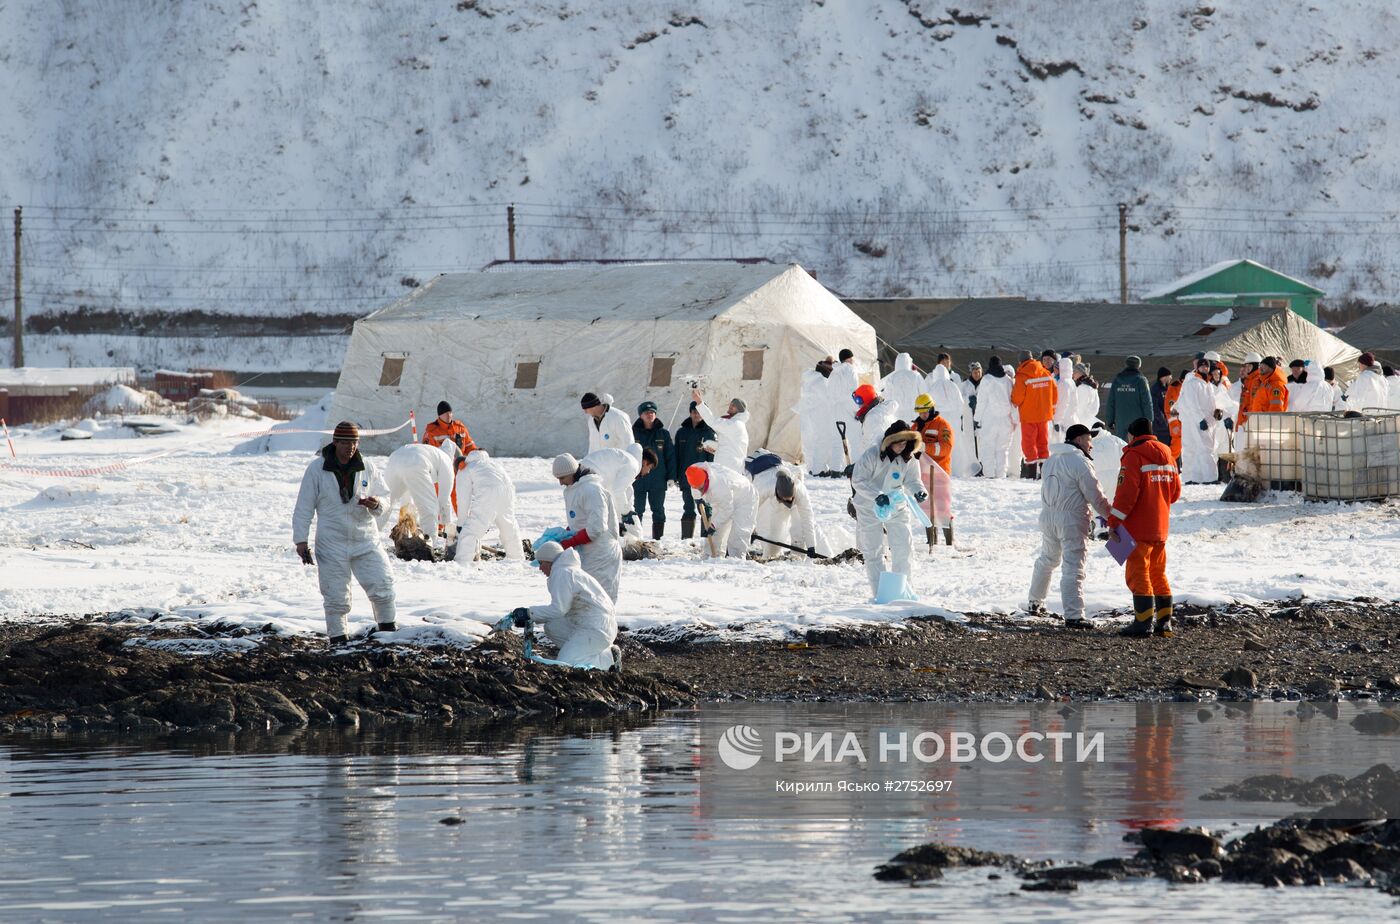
{"type": "Point", "coordinates": [9, 441]}
{"type": "Point", "coordinates": [413, 421]}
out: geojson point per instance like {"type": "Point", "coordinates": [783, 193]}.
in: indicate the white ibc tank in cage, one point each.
{"type": "Point", "coordinates": [1275, 436]}
{"type": "Point", "coordinates": [1350, 458]}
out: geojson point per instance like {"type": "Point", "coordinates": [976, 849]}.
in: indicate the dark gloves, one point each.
{"type": "Point", "coordinates": [920, 497]}
{"type": "Point", "coordinates": [976, 424]}
{"type": "Point", "coordinates": [1230, 423]}
{"type": "Point", "coordinates": [521, 616]}
{"type": "Point", "coordinates": [882, 500]}
{"type": "Point", "coordinates": [304, 553]}
{"type": "Point", "coordinates": [1204, 425]}
{"type": "Point", "coordinates": [846, 472]}
{"type": "Point", "coordinates": [812, 553]}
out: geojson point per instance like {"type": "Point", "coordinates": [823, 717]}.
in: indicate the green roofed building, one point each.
{"type": "Point", "coordinates": [1239, 283]}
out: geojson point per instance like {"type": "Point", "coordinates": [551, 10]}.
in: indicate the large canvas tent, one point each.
{"type": "Point", "coordinates": [1106, 334]}
{"type": "Point", "coordinates": [513, 351]}
{"type": "Point", "coordinates": [1378, 332]}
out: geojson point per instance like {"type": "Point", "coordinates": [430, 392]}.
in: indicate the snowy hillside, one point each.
{"type": "Point", "coordinates": [281, 157]}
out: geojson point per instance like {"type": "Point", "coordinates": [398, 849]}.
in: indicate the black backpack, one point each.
{"type": "Point", "coordinates": [761, 461]}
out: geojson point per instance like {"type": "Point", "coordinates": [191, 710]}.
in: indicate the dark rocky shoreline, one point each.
{"type": "Point", "coordinates": [101, 672]}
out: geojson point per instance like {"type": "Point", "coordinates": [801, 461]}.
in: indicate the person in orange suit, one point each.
{"type": "Point", "coordinates": [937, 434]}
{"type": "Point", "coordinates": [1272, 394]}
{"type": "Point", "coordinates": [1034, 395]}
{"type": "Point", "coordinates": [1148, 484]}
{"type": "Point", "coordinates": [1244, 390]}
{"type": "Point", "coordinates": [1174, 422]}
{"type": "Point", "coordinates": [444, 430]}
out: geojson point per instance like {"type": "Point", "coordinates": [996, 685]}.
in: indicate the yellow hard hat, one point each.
{"type": "Point", "coordinates": [923, 403]}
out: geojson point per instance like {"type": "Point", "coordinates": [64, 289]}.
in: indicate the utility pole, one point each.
{"type": "Point", "coordinates": [510, 229]}
{"type": "Point", "coordinates": [1123, 253]}
{"type": "Point", "coordinates": [19, 293]}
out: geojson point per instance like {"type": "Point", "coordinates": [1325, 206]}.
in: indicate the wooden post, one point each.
{"type": "Point", "coordinates": [19, 293]}
{"type": "Point", "coordinates": [1123, 253]}
{"type": "Point", "coordinates": [510, 229]}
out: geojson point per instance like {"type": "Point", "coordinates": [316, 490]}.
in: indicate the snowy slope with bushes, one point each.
{"type": "Point", "coordinates": [274, 157]}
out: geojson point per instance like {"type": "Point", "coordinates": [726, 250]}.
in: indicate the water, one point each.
{"type": "Point", "coordinates": [591, 821]}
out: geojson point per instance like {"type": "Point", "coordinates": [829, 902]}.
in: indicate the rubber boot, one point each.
{"type": "Point", "coordinates": [387, 627]}
{"type": "Point", "coordinates": [931, 534]}
{"type": "Point", "coordinates": [658, 529]}
{"type": "Point", "coordinates": [1143, 609]}
{"type": "Point", "coordinates": [1027, 471]}
{"type": "Point", "coordinates": [335, 641]}
{"type": "Point", "coordinates": [948, 535]}
{"type": "Point", "coordinates": [1222, 471]}
{"type": "Point", "coordinates": [687, 527]}
{"type": "Point", "coordinates": [1164, 617]}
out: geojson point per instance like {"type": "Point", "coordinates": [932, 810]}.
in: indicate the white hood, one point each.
{"type": "Point", "coordinates": [904, 363]}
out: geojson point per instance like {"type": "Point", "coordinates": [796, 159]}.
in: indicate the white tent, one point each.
{"type": "Point", "coordinates": [513, 351]}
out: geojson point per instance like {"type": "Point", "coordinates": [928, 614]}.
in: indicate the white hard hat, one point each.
{"type": "Point", "coordinates": [1212, 356]}
{"type": "Point", "coordinates": [548, 551]}
{"type": "Point", "coordinates": [1253, 358]}
{"type": "Point", "coordinates": [564, 464]}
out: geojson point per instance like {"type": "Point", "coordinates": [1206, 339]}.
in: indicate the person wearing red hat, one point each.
{"type": "Point", "coordinates": [733, 505]}
{"type": "Point", "coordinates": [349, 501]}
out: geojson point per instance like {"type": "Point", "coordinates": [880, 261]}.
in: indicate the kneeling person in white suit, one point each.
{"type": "Point", "coordinates": [486, 498]}
{"type": "Point", "coordinates": [784, 511]}
{"type": "Point", "coordinates": [733, 503]}
{"type": "Point", "coordinates": [1070, 493]}
{"type": "Point", "coordinates": [350, 503]}
{"type": "Point", "coordinates": [421, 475]}
{"type": "Point", "coordinates": [579, 617]}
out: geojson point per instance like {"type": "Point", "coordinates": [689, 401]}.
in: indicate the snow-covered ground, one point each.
{"type": "Point", "coordinates": [205, 533]}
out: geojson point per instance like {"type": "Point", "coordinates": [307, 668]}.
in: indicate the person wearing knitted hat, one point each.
{"type": "Point", "coordinates": [1069, 495]}
{"type": "Point", "coordinates": [451, 436]}
{"type": "Point", "coordinates": [579, 616]}
{"type": "Point", "coordinates": [940, 443]}
{"type": "Point", "coordinates": [731, 430]}
{"type": "Point", "coordinates": [1370, 389]}
{"type": "Point", "coordinates": [1129, 397]}
{"type": "Point", "coordinates": [1161, 426]}
{"type": "Point", "coordinates": [608, 427]}
{"type": "Point", "coordinates": [592, 518]}
{"type": "Point", "coordinates": [349, 501]}
{"type": "Point", "coordinates": [1148, 485]}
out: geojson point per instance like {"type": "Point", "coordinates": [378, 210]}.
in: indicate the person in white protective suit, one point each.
{"type": "Point", "coordinates": [947, 396]}
{"type": "Point", "coordinates": [1310, 390]}
{"type": "Point", "coordinates": [733, 507]}
{"type": "Point", "coordinates": [349, 501]}
{"type": "Point", "coordinates": [1086, 397]}
{"type": "Point", "coordinates": [873, 417]}
{"type": "Point", "coordinates": [1370, 389]}
{"type": "Point", "coordinates": [731, 431]}
{"type": "Point", "coordinates": [1339, 403]}
{"type": "Point", "coordinates": [1225, 430]}
{"type": "Point", "coordinates": [970, 438]}
{"type": "Point", "coordinates": [608, 428]}
{"type": "Point", "coordinates": [1198, 409]}
{"type": "Point", "coordinates": [1069, 494]}
{"type": "Point", "coordinates": [821, 442]}
{"type": "Point", "coordinates": [845, 379]}
{"type": "Point", "coordinates": [1067, 406]}
{"type": "Point", "coordinates": [485, 498]}
{"type": "Point", "coordinates": [903, 385]}
{"type": "Point", "coordinates": [618, 469]}
{"type": "Point", "coordinates": [1107, 451]}
{"type": "Point", "coordinates": [591, 516]}
{"type": "Point", "coordinates": [885, 475]}
{"type": "Point", "coordinates": [579, 617]}
{"type": "Point", "coordinates": [784, 512]}
{"type": "Point", "coordinates": [421, 476]}
{"type": "Point", "coordinates": [996, 420]}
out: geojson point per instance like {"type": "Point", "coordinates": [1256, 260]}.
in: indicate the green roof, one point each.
{"type": "Point", "coordinates": [1233, 277]}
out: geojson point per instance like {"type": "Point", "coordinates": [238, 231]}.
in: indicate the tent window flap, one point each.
{"type": "Point", "coordinates": [527, 373]}
{"type": "Point", "coordinates": [753, 365]}
{"type": "Point", "coordinates": [661, 369]}
{"type": "Point", "coordinates": [392, 371]}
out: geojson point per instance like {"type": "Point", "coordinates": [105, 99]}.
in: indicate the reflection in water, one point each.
{"type": "Point", "coordinates": [607, 819]}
